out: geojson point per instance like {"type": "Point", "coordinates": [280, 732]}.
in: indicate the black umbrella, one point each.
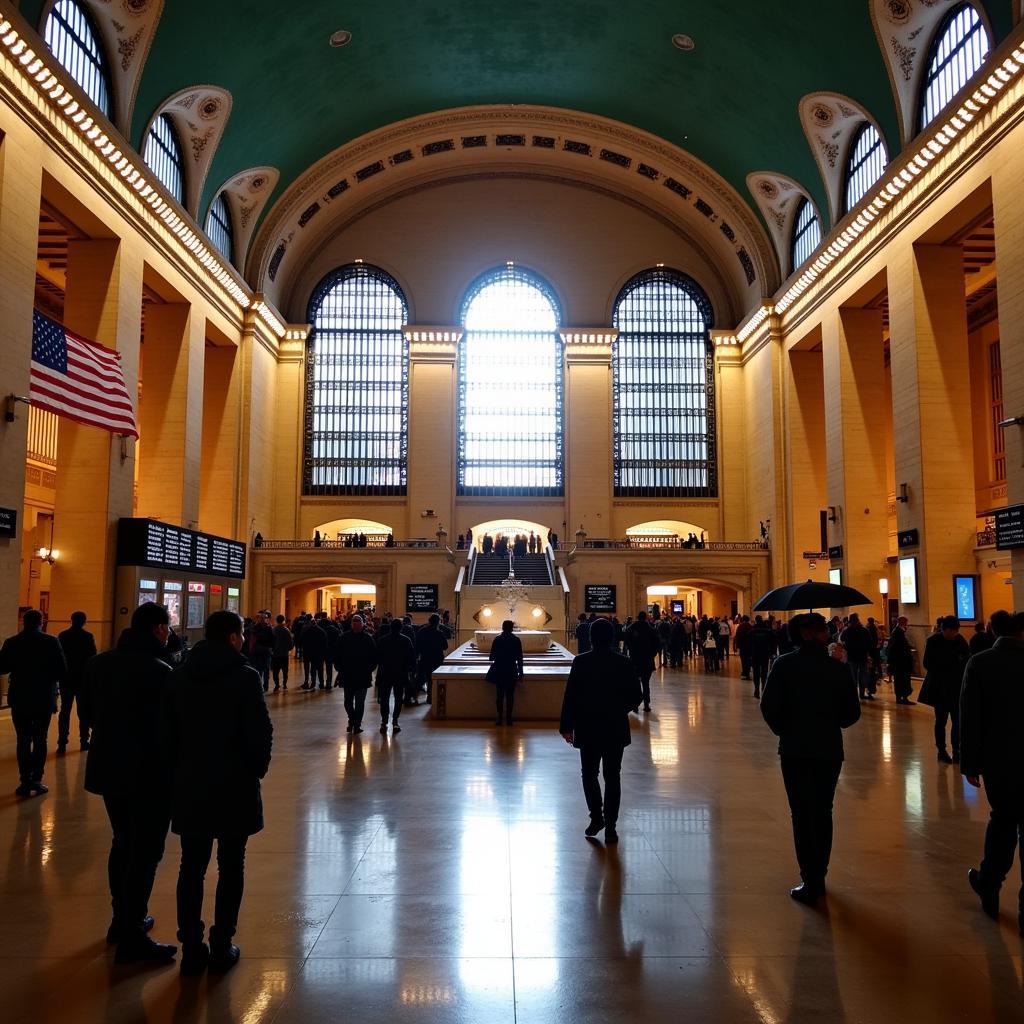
{"type": "Point", "coordinates": [808, 596]}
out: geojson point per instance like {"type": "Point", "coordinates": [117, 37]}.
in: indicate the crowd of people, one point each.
{"type": "Point", "coordinates": [518, 544]}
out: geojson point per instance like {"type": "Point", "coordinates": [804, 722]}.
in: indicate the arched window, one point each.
{"type": "Point", "coordinates": [357, 385]}
{"type": "Point", "coordinates": [219, 229]}
{"type": "Point", "coordinates": [806, 233]}
{"type": "Point", "coordinates": [74, 42]}
{"type": "Point", "coordinates": [867, 161]}
{"type": "Point", "coordinates": [163, 156]}
{"type": "Point", "coordinates": [510, 387]}
{"type": "Point", "coordinates": [959, 49]}
{"type": "Point", "coordinates": [663, 389]}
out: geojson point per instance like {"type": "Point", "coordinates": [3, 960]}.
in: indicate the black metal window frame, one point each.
{"type": "Point", "coordinates": [357, 444]}
{"type": "Point", "coordinates": [219, 227]}
{"type": "Point", "coordinates": [866, 164]}
{"type": "Point", "coordinates": [806, 233]}
{"type": "Point", "coordinates": [653, 447]}
{"type": "Point", "coordinates": [164, 157]}
{"type": "Point", "coordinates": [959, 49]}
{"type": "Point", "coordinates": [70, 34]}
{"type": "Point", "coordinates": [510, 462]}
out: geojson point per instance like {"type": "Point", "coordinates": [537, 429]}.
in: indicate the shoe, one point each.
{"type": "Point", "coordinates": [647, 707]}
{"type": "Point", "coordinates": [595, 826]}
{"type": "Point", "coordinates": [276, 688]}
{"type": "Point", "coordinates": [611, 837]}
{"type": "Point", "coordinates": [807, 894]}
{"type": "Point", "coordinates": [223, 958]}
{"type": "Point", "coordinates": [348, 728]}
{"type": "Point", "coordinates": [396, 728]}
{"type": "Point", "coordinates": [143, 949]}
{"type": "Point", "coordinates": [944, 758]}
{"type": "Point", "coordinates": [498, 721]}
{"type": "Point", "coordinates": [23, 790]}
{"type": "Point", "coordinates": [194, 958]}
{"type": "Point", "coordinates": [84, 745]}
{"type": "Point", "coordinates": [357, 728]}
{"type": "Point", "coordinates": [383, 730]}
{"type": "Point", "coordinates": [147, 926]}
{"type": "Point", "coordinates": [62, 749]}
{"type": "Point", "coordinates": [989, 897]}
{"type": "Point", "coordinates": [39, 789]}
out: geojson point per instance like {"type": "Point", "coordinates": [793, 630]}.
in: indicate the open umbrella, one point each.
{"type": "Point", "coordinates": [808, 596]}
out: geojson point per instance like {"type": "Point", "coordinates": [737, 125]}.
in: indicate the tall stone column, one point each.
{"type": "Point", "coordinates": [95, 471]}
{"type": "Point", "coordinates": [853, 360]}
{"type": "Point", "coordinates": [219, 483]}
{"type": "Point", "coordinates": [932, 433]}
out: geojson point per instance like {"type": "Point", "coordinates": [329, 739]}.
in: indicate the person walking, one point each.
{"type": "Point", "coordinates": [36, 666]}
{"type": "Point", "coordinates": [900, 659]}
{"type": "Point", "coordinates": [506, 670]}
{"type": "Point", "coordinates": [602, 689]}
{"type": "Point", "coordinates": [396, 659]}
{"type": "Point", "coordinates": [992, 750]}
{"type": "Point", "coordinates": [216, 739]}
{"type": "Point", "coordinates": [355, 660]}
{"type": "Point", "coordinates": [857, 641]}
{"type": "Point", "coordinates": [809, 698]}
{"type": "Point", "coordinates": [125, 688]}
{"type": "Point", "coordinates": [762, 650]}
{"type": "Point", "coordinates": [79, 647]}
{"type": "Point", "coordinates": [283, 644]}
{"type": "Point", "coordinates": [641, 643]}
{"type": "Point", "coordinates": [743, 645]}
{"type": "Point", "coordinates": [945, 656]}
{"type": "Point", "coordinates": [431, 643]}
{"type": "Point", "coordinates": [314, 652]}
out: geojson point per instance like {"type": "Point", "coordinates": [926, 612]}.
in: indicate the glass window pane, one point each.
{"type": "Point", "coordinates": [806, 234]}
{"type": "Point", "coordinates": [219, 229]}
{"type": "Point", "coordinates": [868, 157]}
{"type": "Point", "coordinates": [163, 156]}
{"type": "Point", "coordinates": [70, 36]}
{"type": "Point", "coordinates": [961, 45]}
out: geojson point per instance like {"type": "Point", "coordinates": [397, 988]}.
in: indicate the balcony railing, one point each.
{"type": "Point", "coordinates": [375, 543]}
{"type": "Point", "coordinates": [661, 543]}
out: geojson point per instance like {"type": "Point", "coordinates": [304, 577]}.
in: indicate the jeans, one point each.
{"type": "Point", "coordinates": [314, 671]}
{"type": "Point", "coordinates": [31, 727]}
{"type": "Point", "coordinates": [608, 758]}
{"type": "Point", "coordinates": [862, 677]}
{"type": "Point", "coordinates": [69, 694]}
{"type": "Point", "coordinates": [328, 673]}
{"type": "Point", "coordinates": [811, 789]}
{"type": "Point", "coordinates": [744, 663]}
{"type": "Point", "coordinates": [384, 692]}
{"type": "Point", "coordinates": [952, 715]}
{"type": "Point", "coordinates": [279, 665]}
{"type": "Point", "coordinates": [355, 700]}
{"type": "Point", "coordinates": [505, 696]}
{"type": "Point", "coordinates": [1005, 830]}
{"type": "Point", "coordinates": [139, 825]}
{"type": "Point", "coordinates": [760, 667]}
{"type": "Point", "coordinates": [196, 851]}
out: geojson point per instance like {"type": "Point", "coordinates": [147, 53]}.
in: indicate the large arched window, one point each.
{"type": "Point", "coordinates": [219, 229]}
{"type": "Point", "coordinates": [357, 385]}
{"type": "Point", "coordinates": [510, 387]}
{"type": "Point", "coordinates": [163, 156]}
{"type": "Point", "coordinates": [70, 35]}
{"type": "Point", "coordinates": [865, 165]}
{"type": "Point", "coordinates": [806, 234]}
{"type": "Point", "coordinates": [663, 387]}
{"type": "Point", "coordinates": [959, 49]}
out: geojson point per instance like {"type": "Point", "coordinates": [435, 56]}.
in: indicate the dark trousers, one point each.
{"type": "Point", "coordinates": [1005, 829]}
{"type": "Point", "coordinates": [427, 681]}
{"type": "Point", "coordinates": [261, 662]}
{"type": "Point", "coordinates": [31, 728]}
{"type": "Point", "coordinates": [139, 825]}
{"type": "Point", "coordinates": [329, 674]}
{"type": "Point", "coordinates": [760, 669]}
{"type": "Point", "coordinates": [314, 668]}
{"type": "Point", "coordinates": [196, 851]}
{"type": "Point", "coordinates": [645, 685]}
{"type": "Point", "coordinates": [384, 692]}
{"type": "Point", "coordinates": [675, 657]}
{"type": "Point", "coordinates": [811, 789]}
{"type": "Point", "coordinates": [723, 648]}
{"type": "Point", "coordinates": [504, 695]}
{"type": "Point", "coordinates": [744, 663]}
{"type": "Point", "coordinates": [279, 665]}
{"type": "Point", "coordinates": [69, 695]}
{"type": "Point", "coordinates": [355, 701]}
{"type": "Point", "coordinates": [952, 715]}
{"type": "Point", "coordinates": [862, 677]}
{"type": "Point", "coordinates": [412, 687]}
{"type": "Point", "coordinates": [901, 684]}
{"type": "Point", "coordinates": [607, 758]}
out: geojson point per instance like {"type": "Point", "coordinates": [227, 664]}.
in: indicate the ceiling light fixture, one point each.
{"type": "Point", "coordinates": [340, 38]}
{"type": "Point", "coordinates": [681, 41]}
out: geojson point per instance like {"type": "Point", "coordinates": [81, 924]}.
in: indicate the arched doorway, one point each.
{"type": "Point", "coordinates": [343, 529]}
{"type": "Point", "coordinates": [666, 533]}
{"type": "Point", "coordinates": [695, 597]}
{"type": "Point", "coordinates": [335, 595]}
{"type": "Point", "coordinates": [509, 527]}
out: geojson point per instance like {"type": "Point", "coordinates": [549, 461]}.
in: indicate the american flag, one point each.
{"type": "Point", "coordinates": [79, 379]}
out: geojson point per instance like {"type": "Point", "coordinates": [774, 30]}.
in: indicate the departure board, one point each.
{"type": "Point", "coordinates": [163, 546]}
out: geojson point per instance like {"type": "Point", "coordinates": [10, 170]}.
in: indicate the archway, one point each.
{"type": "Point", "coordinates": [665, 533]}
{"type": "Point", "coordinates": [336, 595]}
{"type": "Point", "coordinates": [509, 527]}
{"type": "Point", "coordinates": [341, 529]}
{"type": "Point", "coordinates": [695, 597]}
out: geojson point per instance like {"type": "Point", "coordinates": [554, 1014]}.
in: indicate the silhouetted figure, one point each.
{"type": "Point", "coordinates": [506, 670]}
{"type": "Point", "coordinates": [396, 659]}
{"type": "Point", "coordinates": [36, 665]}
{"type": "Point", "coordinates": [216, 739]}
{"type": "Point", "coordinates": [488, 543]}
{"type": "Point", "coordinates": [602, 689]}
{"type": "Point", "coordinates": [431, 643]}
{"type": "Point", "coordinates": [126, 689]}
{"type": "Point", "coordinates": [762, 650]}
{"type": "Point", "coordinates": [981, 640]}
{"type": "Point", "coordinates": [355, 659]}
{"type": "Point", "coordinates": [857, 641]}
{"type": "Point", "coordinates": [257, 541]}
{"type": "Point", "coordinates": [79, 647]}
{"type": "Point", "coordinates": [582, 634]}
{"type": "Point", "coordinates": [809, 698]}
{"type": "Point", "coordinates": [259, 648]}
{"type": "Point", "coordinates": [314, 653]}
{"type": "Point", "coordinates": [945, 656]}
{"type": "Point", "coordinates": [642, 643]}
{"type": "Point", "coordinates": [333, 632]}
{"type": "Point", "coordinates": [900, 659]}
{"type": "Point", "coordinates": [992, 749]}
{"type": "Point", "coordinates": [317, 541]}
{"type": "Point", "coordinates": [283, 644]}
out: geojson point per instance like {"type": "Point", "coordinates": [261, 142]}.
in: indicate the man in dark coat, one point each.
{"type": "Point", "coordinates": [992, 749]}
{"type": "Point", "coordinates": [602, 689]}
{"type": "Point", "coordinates": [642, 643]}
{"type": "Point", "coordinates": [809, 698]}
{"type": "Point", "coordinates": [506, 671]}
{"type": "Point", "coordinates": [79, 647]}
{"type": "Point", "coordinates": [900, 659]}
{"type": "Point", "coordinates": [215, 738]}
{"type": "Point", "coordinates": [431, 643]}
{"type": "Point", "coordinates": [261, 647]}
{"type": "Point", "coordinates": [763, 647]}
{"type": "Point", "coordinates": [126, 688]}
{"type": "Point", "coordinates": [355, 660]}
{"type": "Point", "coordinates": [743, 645]}
{"type": "Point", "coordinates": [333, 636]}
{"type": "Point", "coordinates": [37, 667]}
{"type": "Point", "coordinates": [314, 652]}
{"type": "Point", "coordinates": [945, 657]}
{"type": "Point", "coordinates": [283, 644]}
{"type": "Point", "coordinates": [396, 658]}
{"type": "Point", "coordinates": [857, 641]}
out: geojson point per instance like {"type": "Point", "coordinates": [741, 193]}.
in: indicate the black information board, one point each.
{"type": "Point", "coordinates": [8, 522]}
{"type": "Point", "coordinates": [162, 546]}
{"type": "Point", "coordinates": [908, 538]}
{"type": "Point", "coordinates": [599, 597]}
{"type": "Point", "coordinates": [835, 553]}
{"type": "Point", "coordinates": [420, 597]}
{"type": "Point", "coordinates": [1010, 527]}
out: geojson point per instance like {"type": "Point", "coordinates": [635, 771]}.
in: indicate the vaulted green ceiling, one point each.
{"type": "Point", "coordinates": [732, 101]}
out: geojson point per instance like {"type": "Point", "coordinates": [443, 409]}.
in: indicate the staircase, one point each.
{"type": "Point", "coordinates": [489, 570]}
{"type": "Point", "coordinates": [530, 570]}
{"type": "Point", "coordinates": [533, 570]}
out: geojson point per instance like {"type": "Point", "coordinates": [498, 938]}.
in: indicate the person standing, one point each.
{"type": "Point", "coordinates": [857, 641]}
{"type": "Point", "coordinates": [582, 633]}
{"type": "Point", "coordinates": [743, 631]}
{"type": "Point", "coordinates": [762, 650]}
{"type": "Point", "coordinates": [333, 636]}
{"type": "Point", "coordinates": [215, 738]}
{"type": "Point", "coordinates": [900, 659]}
{"type": "Point", "coordinates": [355, 659]}
{"type": "Point", "coordinates": [992, 749]}
{"type": "Point", "coordinates": [981, 640]}
{"type": "Point", "coordinates": [125, 688]}
{"type": "Point", "coordinates": [809, 698]}
{"type": "Point", "coordinates": [314, 651]}
{"type": "Point", "coordinates": [602, 689]}
{"type": "Point", "coordinates": [945, 656]}
{"type": "Point", "coordinates": [79, 647]}
{"type": "Point", "coordinates": [396, 658]}
{"type": "Point", "coordinates": [279, 654]}
{"type": "Point", "coordinates": [36, 665]}
{"type": "Point", "coordinates": [431, 643]}
{"type": "Point", "coordinates": [506, 670]}
{"type": "Point", "coordinates": [641, 643]}
{"type": "Point", "coordinates": [261, 647]}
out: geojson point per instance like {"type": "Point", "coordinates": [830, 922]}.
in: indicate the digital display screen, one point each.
{"type": "Point", "coordinates": [965, 591]}
{"type": "Point", "coordinates": [1009, 527]}
{"type": "Point", "coordinates": [599, 597]}
{"type": "Point", "coordinates": [421, 597]}
{"type": "Point", "coordinates": [158, 545]}
{"type": "Point", "coordinates": [908, 581]}
{"type": "Point", "coordinates": [835, 576]}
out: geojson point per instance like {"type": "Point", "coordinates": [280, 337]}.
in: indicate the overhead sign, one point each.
{"type": "Point", "coordinates": [965, 592]}
{"type": "Point", "coordinates": [421, 597]}
{"type": "Point", "coordinates": [908, 538]}
{"type": "Point", "coordinates": [8, 522]}
{"type": "Point", "coordinates": [813, 556]}
{"type": "Point", "coordinates": [836, 552]}
{"type": "Point", "coordinates": [1010, 527]}
{"type": "Point", "coordinates": [150, 543]}
{"type": "Point", "coordinates": [908, 580]}
{"type": "Point", "coordinates": [599, 597]}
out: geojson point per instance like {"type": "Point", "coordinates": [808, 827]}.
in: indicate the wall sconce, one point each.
{"type": "Point", "coordinates": [832, 513]}
{"type": "Point", "coordinates": [48, 555]}
{"type": "Point", "coordinates": [903, 495]}
{"type": "Point", "coordinates": [883, 586]}
{"type": "Point", "coordinates": [537, 612]}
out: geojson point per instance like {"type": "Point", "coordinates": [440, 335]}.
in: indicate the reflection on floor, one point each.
{"type": "Point", "coordinates": [442, 875]}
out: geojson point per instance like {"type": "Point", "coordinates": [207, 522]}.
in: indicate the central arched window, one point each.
{"type": "Point", "coordinates": [806, 234]}
{"type": "Point", "coordinates": [510, 387]}
{"type": "Point", "coordinates": [163, 156]}
{"type": "Point", "coordinates": [867, 161]}
{"type": "Point", "coordinates": [663, 389]}
{"type": "Point", "coordinates": [960, 47]}
{"type": "Point", "coordinates": [70, 35]}
{"type": "Point", "coordinates": [219, 229]}
{"type": "Point", "coordinates": [357, 385]}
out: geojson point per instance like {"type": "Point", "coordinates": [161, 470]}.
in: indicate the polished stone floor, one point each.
{"type": "Point", "coordinates": [442, 875]}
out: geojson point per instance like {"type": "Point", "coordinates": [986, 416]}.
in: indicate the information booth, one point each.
{"type": "Point", "coordinates": [191, 573]}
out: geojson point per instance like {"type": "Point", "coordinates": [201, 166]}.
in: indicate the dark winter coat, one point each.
{"type": "Point", "coordinates": [355, 659]}
{"type": "Point", "coordinates": [79, 647]}
{"type": "Point", "coordinates": [944, 664]}
{"type": "Point", "coordinates": [992, 712]}
{"type": "Point", "coordinates": [431, 644]}
{"type": "Point", "coordinates": [642, 644]}
{"type": "Point", "coordinates": [602, 689]}
{"type": "Point", "coordinates": [36, 665]}
{"type": "Point", "coordinates": [396, 659]}
{"type": "Point", "coordinates": [506, 659]}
